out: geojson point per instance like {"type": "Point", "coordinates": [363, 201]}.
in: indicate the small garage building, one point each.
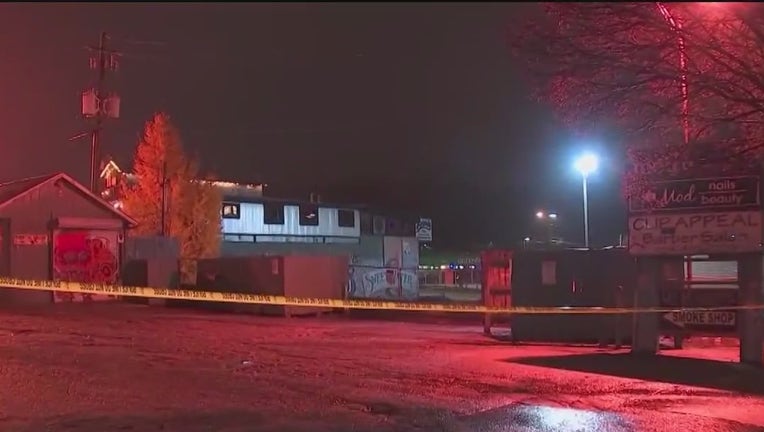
{"type": "Point", "coordinates": [52, 227]}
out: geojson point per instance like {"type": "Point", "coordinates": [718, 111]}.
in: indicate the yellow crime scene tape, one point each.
{"type": "Point", "coordinates": [212, 296]}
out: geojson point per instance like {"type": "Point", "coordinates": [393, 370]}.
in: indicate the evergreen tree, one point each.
{"type": "Point", "coordinates": [166, 187]}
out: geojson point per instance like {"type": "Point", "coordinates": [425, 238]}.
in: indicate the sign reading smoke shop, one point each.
{"type": "Point", "coordinates": [715, 194]}
{"type": "Point", "coordinates": [696, 233]}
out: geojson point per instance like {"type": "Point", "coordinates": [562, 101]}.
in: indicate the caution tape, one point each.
{"type": "Point", "coordinates": [261, 299]}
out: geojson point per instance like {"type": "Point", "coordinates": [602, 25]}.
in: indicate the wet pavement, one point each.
{"type": "Point", "coordinates": [534, 418]}
{"type": "Point", "coordinates": [99, 367]}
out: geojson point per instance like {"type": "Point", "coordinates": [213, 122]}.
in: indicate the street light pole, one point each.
{"type": "Point", "coordinates": [585, 176]}
{"type": "Point", "coordinates": [586, 165]}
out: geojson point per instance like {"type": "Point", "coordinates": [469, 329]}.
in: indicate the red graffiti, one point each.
{"type": "Point", "coordinates": [83, 256]}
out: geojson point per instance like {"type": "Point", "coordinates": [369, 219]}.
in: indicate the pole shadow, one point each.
{"type": "Point", "coordinates": [726, 376]}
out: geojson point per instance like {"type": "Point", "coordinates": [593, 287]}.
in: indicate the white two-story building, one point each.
{"type": "Point", "coordinates": [267, 225]}
{"type": "Point", "coordinates": [383, 250]}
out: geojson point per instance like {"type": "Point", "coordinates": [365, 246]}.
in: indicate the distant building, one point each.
{"type": "Point", "coordinates": [247, 216]}
{"type": "Point", "coordinates": [383, 248]}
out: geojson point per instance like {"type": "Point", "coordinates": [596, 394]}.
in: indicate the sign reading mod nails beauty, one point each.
{"type": "Point", "coordinates": [716, 194]}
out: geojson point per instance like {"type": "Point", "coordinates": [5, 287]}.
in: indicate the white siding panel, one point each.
{"type": "Point", "coordinates": [251, 222]}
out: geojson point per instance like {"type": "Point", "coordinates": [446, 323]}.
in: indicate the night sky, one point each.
{"type": "Point", "coordinates": [415, 107]}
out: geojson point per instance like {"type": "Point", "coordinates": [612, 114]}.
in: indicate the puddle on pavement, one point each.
{"type": "Point", "coordinates": [525, 418]}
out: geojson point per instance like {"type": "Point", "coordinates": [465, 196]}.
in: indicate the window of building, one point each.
{"type": "Point", "coordinates": [346, 218]}
{"type": "Point", "coordinates": [367, 227]}
{"type": "Point", "coordinates": [549, 272]}
{"type": "Point", "coordinates": [230, 210]}
{"type": "Point", "coordinates": [308, 215]}
{"type": "Point", "coordinates": [273, 214]}
{"type": "Point", "coordinates": [408, 228]}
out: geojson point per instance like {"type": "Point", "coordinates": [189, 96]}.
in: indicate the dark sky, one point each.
{"type": "Point", "coordinates": [411, 106]}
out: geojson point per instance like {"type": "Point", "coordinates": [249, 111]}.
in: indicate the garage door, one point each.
{"type": "Point", "coordinates": [81, 255]}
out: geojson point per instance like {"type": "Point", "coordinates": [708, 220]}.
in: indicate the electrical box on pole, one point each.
{"type": "Point", "coordinates": [110, 106]}
{"type": "Point", "coordinates": [89, 103]}
{"type": "Point", "coordinates": [93, 107]}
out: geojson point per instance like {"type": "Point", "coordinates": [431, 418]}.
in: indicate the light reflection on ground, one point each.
{"type": "Point", "coordinates": [526, 418]}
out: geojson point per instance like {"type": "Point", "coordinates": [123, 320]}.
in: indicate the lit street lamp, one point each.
{"type": "Point", "coordinates": [586, 165]}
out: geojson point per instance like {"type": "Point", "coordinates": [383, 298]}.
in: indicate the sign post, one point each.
{"type": "Point", "coordinates": [671, 222]}
{"type": "Point", "coordinates": [751, 327]}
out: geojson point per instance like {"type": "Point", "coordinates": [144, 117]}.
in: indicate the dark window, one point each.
{"type": "Point", "coordinates": [346, 218]}
{"type": "Point", "coordinates": [393, 227]}
{"type": "Point", "coordinates": [409, 228]}
{"type": "Point", "coordinates": [366, 224]}
{"type": "Point", "coordinates": [308, 215]}
{"type": "Point", "coordinates": [379, 225]}
{"type": "Point", "coordinates": [230, 210]}
{"type": "Point", "coordinates": [273, 214]}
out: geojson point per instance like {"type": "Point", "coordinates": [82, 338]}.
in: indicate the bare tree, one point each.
{"type": "Point", "coordinates": [651, 69]}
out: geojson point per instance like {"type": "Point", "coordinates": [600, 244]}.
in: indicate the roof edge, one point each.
{"type": "Point", "coordinates": [52, 178]}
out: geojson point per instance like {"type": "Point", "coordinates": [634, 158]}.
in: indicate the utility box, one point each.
{"type": "Point", "coordinates": [573, 278]}
{"type": "Point", "coordinates": [90, 103]}
{"type": "Point", "coordinates": [305, 276]}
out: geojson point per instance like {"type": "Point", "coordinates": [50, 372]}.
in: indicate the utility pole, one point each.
{"type": "Point", "coordinates": [96, 105]}
{"type": "Point", "coordinates": [164, 197]}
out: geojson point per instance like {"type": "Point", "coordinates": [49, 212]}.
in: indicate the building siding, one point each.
{"type": "Point", "coordinates": [34, 213]}
{"type": "Point", "coordinates": [251, 222]}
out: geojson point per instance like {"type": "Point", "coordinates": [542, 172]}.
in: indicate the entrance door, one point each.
{"type": "Point", "coordinates": [81, 255]}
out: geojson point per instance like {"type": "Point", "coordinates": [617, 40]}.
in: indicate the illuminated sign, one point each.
{"type": "Point", "coordinates": [729, 193]}
{"type": "Point", "coordinates": [695, 233]}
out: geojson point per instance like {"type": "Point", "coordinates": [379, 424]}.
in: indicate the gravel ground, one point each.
{"type": "Point", "coordinates": [102, 367]}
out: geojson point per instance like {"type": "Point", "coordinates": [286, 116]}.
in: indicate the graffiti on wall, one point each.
{"type": "Point", "coordinates": [386, 272]}
{"type": "Point", "coordinates": [85, 256]}
{"type": "Point", "coordinates": [382, 283]}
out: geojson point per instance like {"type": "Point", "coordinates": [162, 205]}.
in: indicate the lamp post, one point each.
{"type": "Point", "coordinates": [586, 165]}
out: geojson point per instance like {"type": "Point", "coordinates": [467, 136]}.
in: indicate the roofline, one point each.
{"type": "Point", "coordinates": [221, 183]}
{"type": "Point", "coordinates": [112, 164]}
{"type": "Point", "coordinates": [287, 201]}
{"type": "Point", "coordinates": [404, 216]}
{"type": "Point", "coordinates": [63, 176]}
